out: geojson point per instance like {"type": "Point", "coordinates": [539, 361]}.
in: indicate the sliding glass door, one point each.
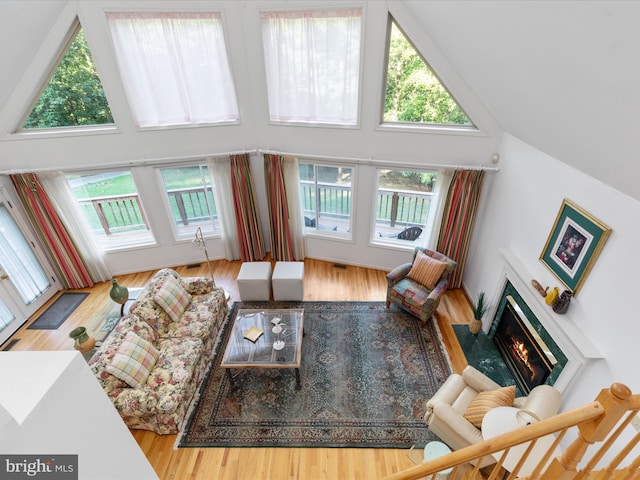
{"type": "Point", "coordinates": [26, 282]}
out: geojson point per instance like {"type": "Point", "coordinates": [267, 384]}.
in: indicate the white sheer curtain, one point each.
{"type": "Point", "coordinates": [56, 186]}
{"type": "Point", "coordinates": [435, 221]}
{"type": "Point", "coordinates": [291, 173]}
{"type": "Point", "coordinates": [174, 67]}
{"type": "Point", "coordinates": [312, 61]}
{"type": "Point", "coordinates": [220, 171]}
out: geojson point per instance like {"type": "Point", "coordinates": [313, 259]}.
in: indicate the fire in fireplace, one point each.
{"type": "Point", "coordinates": [526, 355]}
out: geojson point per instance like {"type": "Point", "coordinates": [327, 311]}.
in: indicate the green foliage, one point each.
{"type": "Point", "coordinates": [74, 95]}
{"type": "Point", "coordinates": [413, 93]}
{"type": "Point", "coordinates": [481, 307]}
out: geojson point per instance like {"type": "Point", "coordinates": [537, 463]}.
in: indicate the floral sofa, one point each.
{"type": "Point", "coordinates": [152, 363]}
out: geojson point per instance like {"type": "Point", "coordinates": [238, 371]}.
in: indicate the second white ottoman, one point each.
{"type": "Point", "coordinates": [254, 281]}
{"type": "Point", "coordinates": [287, 281]}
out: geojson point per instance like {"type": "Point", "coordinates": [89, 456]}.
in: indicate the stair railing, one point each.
{"type": "Point", "coordinates": [594, 424]}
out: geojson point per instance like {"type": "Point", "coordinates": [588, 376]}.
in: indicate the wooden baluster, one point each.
{"type": "Point", "coordinates": [615, 401]}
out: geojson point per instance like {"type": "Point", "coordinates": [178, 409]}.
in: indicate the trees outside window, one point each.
{"type": "Point", "coordinates": [413, 93]}
{"type": "Point", "coordinates": [74, 95]}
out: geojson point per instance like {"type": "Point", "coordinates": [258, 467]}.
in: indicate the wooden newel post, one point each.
{"type": "Point", "coordinates": [615, 402]}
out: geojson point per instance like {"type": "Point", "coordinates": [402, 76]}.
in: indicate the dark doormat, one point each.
{"type": "Point", "coordinates": [58, 311]}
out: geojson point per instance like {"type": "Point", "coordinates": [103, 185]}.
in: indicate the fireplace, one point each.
{"type": "Point", "coordinates": [524, 352]}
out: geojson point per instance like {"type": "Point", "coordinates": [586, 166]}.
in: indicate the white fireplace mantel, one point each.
{"type": "Point", "coordinates": [572, 341]}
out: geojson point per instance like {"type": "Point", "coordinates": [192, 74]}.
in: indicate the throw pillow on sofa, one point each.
{"type": "Point", "coordinates": [485, 401]}
{"type": "Point", "coordinates": [173, 298]}
{"type": "Point", "coordinates": [134, 360]}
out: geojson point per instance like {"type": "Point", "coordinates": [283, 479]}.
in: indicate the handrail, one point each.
{"type": "Point", "coordinates": [557, 423]}
{"type": "Point", "coordinates": [601, 421]}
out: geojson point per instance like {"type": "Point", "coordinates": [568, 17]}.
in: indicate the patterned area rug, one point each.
{"type": "Point", "coordinates": [366, 375]}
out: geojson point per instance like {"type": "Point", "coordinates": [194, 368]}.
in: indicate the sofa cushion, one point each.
{"type": "Point", "coordinates": [426, 270]}
{"type": "Point", "coordinates": [134, 360]}
{"type": "Point", "coordinates": [487, 400]}
{"type": "Point", "coordinates": [173, 298]}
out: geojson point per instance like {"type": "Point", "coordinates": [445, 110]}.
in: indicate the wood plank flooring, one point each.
{"type": "Point", "coordinates": [323, 281]}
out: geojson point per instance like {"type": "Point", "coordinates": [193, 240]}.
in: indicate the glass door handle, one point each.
{"type": "Point", "coordinates": [4, 276]}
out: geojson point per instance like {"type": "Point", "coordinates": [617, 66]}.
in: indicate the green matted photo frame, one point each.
{"type": "Point", "coordinates": [573, 246]}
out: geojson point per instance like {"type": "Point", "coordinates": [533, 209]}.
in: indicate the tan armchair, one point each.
{"type": "Point", "coordinates": [445, 410]}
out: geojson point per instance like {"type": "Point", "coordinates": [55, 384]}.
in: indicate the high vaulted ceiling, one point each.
{"type": "Point", "coordinates": [560, 75]}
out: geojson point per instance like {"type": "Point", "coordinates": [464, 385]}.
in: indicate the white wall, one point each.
{"type": "Point", "coordinates": [518, 213]}
{"type": "Point", "coordinates": [51, 404]}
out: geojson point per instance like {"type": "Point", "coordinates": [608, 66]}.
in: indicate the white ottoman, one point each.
{"type": "Point", "coordinates": [287, 281]}
{"type": "Point", "coordinates": [254, 281]}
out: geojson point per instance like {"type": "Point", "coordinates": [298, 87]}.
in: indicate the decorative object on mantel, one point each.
{"type": "Point", "coordinates": [552, 296]}
{"type": "Point", "coordinates": [574, 243]}
{"type": "Point", "coordinates": [538, 287]}
{"type": "Point", "coordinates": [479, 310]}
{"type": "Point", "coordinates": [562, 303]}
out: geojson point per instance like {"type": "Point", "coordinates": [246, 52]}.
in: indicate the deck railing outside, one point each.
{"type": "Point", "coordinates": [124, 213]}
{"type": "Point", "coordinates": [395, 207]}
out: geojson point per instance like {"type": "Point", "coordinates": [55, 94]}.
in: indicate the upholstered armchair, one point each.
{"type": "Point", "coordinates": [456, 419]}
{"type": "Point", "coordinates": [417, 286]}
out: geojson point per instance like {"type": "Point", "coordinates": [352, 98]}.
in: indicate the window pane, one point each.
{"type": "Point", "coordinates": [190, 195]}
{"type": "Point", "coordinates": [312, 61]}
{"type": "Point", "coordinates": [403, 204]}
{"type": "Point", "coordinates": [326, 197]}
{"type": "Point", "coordinates": [74, 94]}
{"type": "Point", "coordinates": [112, 206]}
{"type": "Point", "coordinates": [175, 67]}
{"type": "Point", "coordinates": [18, 260]}
{"type": "Point", "coordinates": [413, 93]}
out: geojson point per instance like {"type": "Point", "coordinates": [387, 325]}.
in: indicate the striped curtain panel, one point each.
{"type": "Point", "coordinates": [250, 238]}
{"type": "Point", "coordinates": [54, 237]}
{"type": "Point", "coordinates": [458, 218]}
{"type": "Point", "coordinates": [280, 234]}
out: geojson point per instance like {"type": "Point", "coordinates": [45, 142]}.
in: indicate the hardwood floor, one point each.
{"type": "Point", "coordinates": [323, 281]}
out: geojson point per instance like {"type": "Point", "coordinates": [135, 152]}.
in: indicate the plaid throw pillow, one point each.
{"type": "Point", "coordinates": [133, 361]}
{"type": "Point", "coordinates": [173, 298]}
{"type": "Point", "coordinates": [426, 270]}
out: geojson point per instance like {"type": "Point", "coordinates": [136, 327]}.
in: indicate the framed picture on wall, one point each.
{"type": "Point", "coordinates": [573, 246]}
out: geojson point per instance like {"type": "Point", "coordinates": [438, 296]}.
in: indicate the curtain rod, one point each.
{"type": "Point", "coordinates": [380, 162]}
{"type": "Point", "coordinates": [128, 163]}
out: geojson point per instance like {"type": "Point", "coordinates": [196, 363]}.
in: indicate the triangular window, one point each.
{"type": "Point", "coordinates": [413, 93]}
{"type": "Point", "coordinates": [74, 95]}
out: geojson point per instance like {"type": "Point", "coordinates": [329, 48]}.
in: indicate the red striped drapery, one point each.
{"type": "Point", "coordinates": [280, 233]}
{"type": "Point", "coordinates": [458, 218]}
{"type": "Point", "coordinates": [250, 238]}
{"type": "Point", "coordinates": [54, 236]}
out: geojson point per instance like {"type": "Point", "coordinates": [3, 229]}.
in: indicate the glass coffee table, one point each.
{"type": "Point", "coordinates": [278, 340]}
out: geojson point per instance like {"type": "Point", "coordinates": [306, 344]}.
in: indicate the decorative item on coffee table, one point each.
{"type": "Point", "coordinates": [479, 311]}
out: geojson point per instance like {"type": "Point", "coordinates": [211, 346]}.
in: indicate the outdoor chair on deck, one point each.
{"type": "Point", "coordinates": [417, 286]}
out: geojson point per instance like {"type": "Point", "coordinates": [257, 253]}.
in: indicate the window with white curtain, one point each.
{"type": "Point", "coordinates": [312, 63]}
{"type": "Point", "coordinates": [174, 67]}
